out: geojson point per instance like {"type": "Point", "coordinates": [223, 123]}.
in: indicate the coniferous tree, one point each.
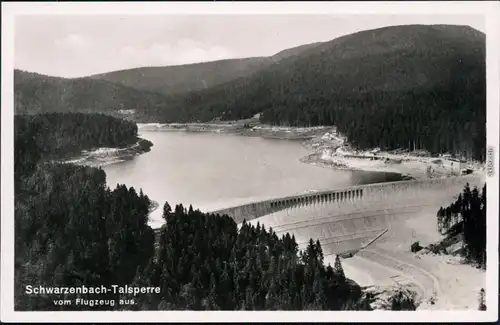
{"type": "Point", "coordinates": [338, 270]}
{"type": "Point", "coordinates": [167, 210]}
{"type": "Point", "coordinates": [319, 252]}
{"type": "Point", "coordinates": [467, 216]}
{"type": "Point", "coordinates": [401, 301]}
{"type": "Point", "coordinates": [482, 305]}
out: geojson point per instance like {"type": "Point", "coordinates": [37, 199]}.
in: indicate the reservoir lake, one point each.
{"type": "Point", "coordinates": [212, 171]}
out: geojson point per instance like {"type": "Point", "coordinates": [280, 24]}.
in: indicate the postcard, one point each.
{"type": "Point", "coordinates": [250, 162]}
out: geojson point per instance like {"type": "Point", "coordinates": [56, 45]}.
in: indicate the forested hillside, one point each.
{"type": "Point", "coordinates": [172, 80]}
{"type": "Point", "coordinates": [246, 269]}
{"type": "Point", "coordinates": [61, 235]}
{"type": "Point", "coordinates": [36, 93]}
{"type": "Point", "coordinates": [466, 217]}
{"type": "Point", "coordinates": [56, 135]}
{"type": "Point", "coordinates": [71, 230]}
{"type": "Point", "coordinates": [417, 87]}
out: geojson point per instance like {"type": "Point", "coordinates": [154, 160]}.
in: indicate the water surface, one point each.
{"type": "Point", "coordinates": [212, 171]}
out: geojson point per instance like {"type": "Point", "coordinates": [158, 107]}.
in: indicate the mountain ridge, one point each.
{"type": "Point", "coordinates": [328, 69]}
{"type": "Point", "coordinates": [423, 85]}
{"type": "Point", "coordinates": [38, 93]}
{"type": "Point", "coordinates": [194, 76]}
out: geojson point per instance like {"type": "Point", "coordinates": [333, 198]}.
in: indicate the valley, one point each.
{"type": "Point", "coordinates": [394, 116]}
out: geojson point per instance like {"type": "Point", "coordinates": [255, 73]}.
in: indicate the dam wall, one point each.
{"type": "Point", "coordinates": [385, 216]}
{"type": "Point", "coordinates": [388, 194]}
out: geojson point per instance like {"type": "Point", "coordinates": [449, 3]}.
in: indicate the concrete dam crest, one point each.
{"type": "Point", "coordinates": [371, 192]}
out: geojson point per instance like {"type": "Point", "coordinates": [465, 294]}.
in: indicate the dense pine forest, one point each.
{"type": "Point", "coordinates": [61, 134]}
{"type": "Point", "coordinates": [413, 87]}
{"type": "Point", "coordinates": [414, 121]}
{"type": "Point", "coordinates": [72, 230]}
{"type": "Point", "coordinates": [466, 217]}
{"type": "Point", "coordinates": [185, 78]}
{"type": "Point", "coordinates": [36, 94]}
{"type": "Point", "coordinates": [246, 269]}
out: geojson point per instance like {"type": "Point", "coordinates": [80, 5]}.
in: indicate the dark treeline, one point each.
{"type": "Point", "coordinates": [61, 134]}
{"type": "Point", "coordinates": [467, 216]}
{"type": "Point", "coordinates": [448, 119]}
{"type": "Point", "coordinates": [205, 263]}
{"type": "Point", "coordinates": [202, 263]}
{"type": "Point", "coordinates": [408, 87]}
{"type": "Point", "coordinates": [413, 120]}
{"type": "Point", "coordinates": [440, 120]}
{"type": "Point", "coordinates": [72, 230]}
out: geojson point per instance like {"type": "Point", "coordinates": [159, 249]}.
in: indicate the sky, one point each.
{"type": "Point", "coordinates": [82, 45]}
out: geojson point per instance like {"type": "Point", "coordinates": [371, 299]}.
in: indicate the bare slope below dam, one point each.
{"type": "Point", "coordinates": [377, 224]}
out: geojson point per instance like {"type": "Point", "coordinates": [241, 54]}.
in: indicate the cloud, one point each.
{"type": "Point", "coordinates": [76, 42]}
{"type": "Point", "coordinates": [190, 51]}
{"type": "Point", "coordinates": [182, 52]}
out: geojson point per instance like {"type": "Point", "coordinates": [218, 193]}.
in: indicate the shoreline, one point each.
{"type": "Point", "coordinates": [101, 156]}
{"type": "Point", "coordinates": [246, 129]}
{"type": "Point", "coordinates": [330, 149]}
{"type": "Point", "coordinates": [313, 160]}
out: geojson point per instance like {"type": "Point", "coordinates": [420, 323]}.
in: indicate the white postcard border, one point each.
{"type": "Point", "coordinates": [490, 10]}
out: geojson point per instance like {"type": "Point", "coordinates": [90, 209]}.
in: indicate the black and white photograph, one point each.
{"type": "Point", "coordinates": [249, 161]}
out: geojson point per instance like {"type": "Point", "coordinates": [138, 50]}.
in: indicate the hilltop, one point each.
{"type": "Point", "coordinates": [390, 59]}
{"type": "Point", "coordinates": [37, 93]}
{"type": "Point", "coordinates": [135, 93]}
{"type": "Point", "coordinates": [414, 87]}
{"type": "Point", "coordinates": [171, 80]}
